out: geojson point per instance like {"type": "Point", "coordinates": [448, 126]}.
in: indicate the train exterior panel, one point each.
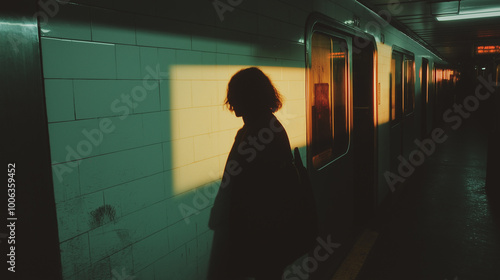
{"type": "Point", "coordinates": [139, 136]}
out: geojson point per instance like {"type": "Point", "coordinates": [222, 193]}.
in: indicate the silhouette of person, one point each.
{"type": "Point", "coordinates": [247, 212]}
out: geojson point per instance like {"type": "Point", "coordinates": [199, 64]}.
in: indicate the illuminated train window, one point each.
{"type": "Point", "coordinates": [328, 99]}
{"type": "Point", "coordinates": [402, 85]}
{"type": "Point", "coordinates": [487, 49]}
{"type": "Point", "coordinates": [498, 75]}
{"type": "Point", "coordinates": [409, 85]}
{"type": "Point", "coordinates": [396, 87]}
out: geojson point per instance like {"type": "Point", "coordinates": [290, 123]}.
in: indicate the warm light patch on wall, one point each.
{"type": "Point", "coordinates": [203, 130]}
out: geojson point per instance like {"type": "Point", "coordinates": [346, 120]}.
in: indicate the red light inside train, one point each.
{"type": "Point", "coordinates": [487, 49]}
{"type": "Point", "coordinates": [337, 55]}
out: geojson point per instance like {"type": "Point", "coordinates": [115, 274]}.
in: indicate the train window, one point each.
{"type": "Point", "coordinates": [409, 85]}
{"type": "Point", "coordinates": [328, 99]}
{"type": "Point", "coordinates": [498, 75]}
{"type": "Point", "coordinates": [396, 87]}
{"type": "Point", "coordinates": [402, 86]}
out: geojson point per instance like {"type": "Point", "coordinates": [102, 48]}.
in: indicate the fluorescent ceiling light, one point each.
{"type": "Point", "coordinates": [17, 24]}
{"type": "Point", "coordinates": [472, 14]}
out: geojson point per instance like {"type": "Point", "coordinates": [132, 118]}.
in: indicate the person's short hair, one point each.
{"type": "Point", "coordinates": [251, 91]}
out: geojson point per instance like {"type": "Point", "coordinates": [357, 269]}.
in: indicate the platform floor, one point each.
{"type": "Point", "coordinates": [443, 225]}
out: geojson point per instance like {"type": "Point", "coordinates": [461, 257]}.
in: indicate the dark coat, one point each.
{"type": "Point", "coordinates": [248, 211]}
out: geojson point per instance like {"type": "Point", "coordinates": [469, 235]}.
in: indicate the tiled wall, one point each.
{"type": "Point", "coordinates": [138, 133]}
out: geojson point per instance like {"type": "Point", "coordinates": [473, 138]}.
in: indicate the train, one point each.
{"type": "Point", "coordinates": [132, 135]}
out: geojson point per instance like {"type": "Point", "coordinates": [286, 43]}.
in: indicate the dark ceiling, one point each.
{"type": "Point", "coordinates": [452, 40]}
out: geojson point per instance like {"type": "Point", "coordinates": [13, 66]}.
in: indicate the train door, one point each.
{"type": "Point", "coordinates": [329, 118]}
{"type": "Point", "coordinates": [497, 75]}
{"type": "Point", "coordinates": [424, 96]}
{"type": "Point", "coordinates": [410, 129]}
{"type": "Point", "coordinates": [431, 93]}
{"type": "Point", "coordinates": [438, 80]}
{"type": "Point", "coordinates": [402, 104]}
{"type": "Point", "coordinates": [396, 108]}
{"type": "Point", "coordinates": [364, 133]}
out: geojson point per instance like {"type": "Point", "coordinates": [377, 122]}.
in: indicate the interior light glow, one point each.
{"type": "Point", "coordinates": [337, 55]}
{"type": "Point", "coordinates": [471, 15]}
{"type": "Point", "coordinates": [487, 49]}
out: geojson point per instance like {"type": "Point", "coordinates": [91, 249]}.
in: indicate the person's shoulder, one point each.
{"type": "Point", "coordinates": [243, 130]}
{"type": "Point", "coordinates": [276, 126]}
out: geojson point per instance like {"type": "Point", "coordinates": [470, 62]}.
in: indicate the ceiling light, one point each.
{"type": "Point", "coordinates": [471, 15]}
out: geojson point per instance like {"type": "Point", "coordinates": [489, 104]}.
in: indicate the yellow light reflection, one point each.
{"type": "Point", "coordinates": [384, 74]}
{"type": "Point", "coordinates": [376, 89]}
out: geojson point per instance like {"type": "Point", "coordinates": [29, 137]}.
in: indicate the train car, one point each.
{"type": "Point", "coordinates": [132, 125]}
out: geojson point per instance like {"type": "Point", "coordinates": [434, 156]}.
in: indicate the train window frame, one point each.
{"type": "Point", "coordinates": [320, 158]}
{"type": "Point", "coordinates": [497, 78]}
{"type": "Point", "coordinates": [396, 104]}
{"type": "Point", "coordinates": [425, 61]}
{"type": "Point", "coordinates": [409, 79]}
{"type": "Point", "coordinates": [405, 105]}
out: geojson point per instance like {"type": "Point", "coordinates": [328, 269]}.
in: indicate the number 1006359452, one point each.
{"type": "Point", "coordinates": [11, 184]}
